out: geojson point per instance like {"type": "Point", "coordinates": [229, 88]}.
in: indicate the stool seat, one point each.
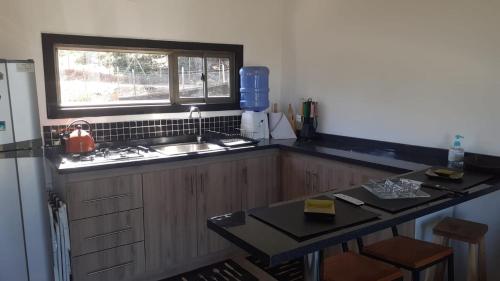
{"type": "Point", "coordinates": [407, 252]}
{"type": "Point", "coordinates": [352, 267]}
{"type": "Point", "coordinates": [461, 230]}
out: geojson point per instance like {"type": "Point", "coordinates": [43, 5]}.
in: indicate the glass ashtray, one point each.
{"type": "Point", "coordinates": [396, 189]}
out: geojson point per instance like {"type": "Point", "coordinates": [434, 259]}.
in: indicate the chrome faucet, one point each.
{"type": "Point", "coordinates": [195, 108]}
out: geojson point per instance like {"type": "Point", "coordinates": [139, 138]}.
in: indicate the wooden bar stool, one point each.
{"type": "Point", "coordinates": [349, 266]}
{"type": "Point", "coordinates": [410, 254]}
{"type": "Point", "coordinates": [472, 233]}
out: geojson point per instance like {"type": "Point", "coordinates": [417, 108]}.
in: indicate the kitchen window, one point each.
{"type": "Point", "coordinates": [98, 76]}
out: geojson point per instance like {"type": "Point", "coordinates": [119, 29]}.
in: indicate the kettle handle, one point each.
{"type": "Point", "coordinates": [82, 121]}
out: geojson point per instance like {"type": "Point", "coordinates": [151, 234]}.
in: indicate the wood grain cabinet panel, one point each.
{"type": "Point", "coordinates": [117, 264]}
{"type": "Point", "coordinates": [218, 193]}
{"type": "Point", "coordinates": [258, 179]}
{"type": "Point", "coordinates": [303, 175]}
{"type": "Point", "coordinates": [295, 181]}
{"type": "Point", "coordinates": [104, 232]}
{"type": "Point", "coordinates": [306, 175]}
{"type": "Point", "coordinates": [362, 175]}
{"type": "Point", "coordinates": [104, 196]}
{"type": "Point", "coordinates": [170, 217]}
{"type": "Point", "coordinates": [329, 174]}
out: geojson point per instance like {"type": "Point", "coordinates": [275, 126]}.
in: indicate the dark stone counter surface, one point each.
{"type": "Point", "coordinates": [273, 246]}
{"type": "Point", "coordinates": [381, 155]}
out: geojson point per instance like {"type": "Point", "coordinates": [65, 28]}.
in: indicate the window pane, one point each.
{"type": "Point", "coordinates": [190, 77]}
{"type": "Point", "coordinates": [104, 77]}
{"type": "Point", "coordinates": [218, 77]}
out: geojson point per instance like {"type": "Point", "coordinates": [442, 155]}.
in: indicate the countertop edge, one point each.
{"type": "Point", "coordinates": [358, 158]}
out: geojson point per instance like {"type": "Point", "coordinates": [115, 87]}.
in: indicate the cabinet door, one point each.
{"type": "Point", "coordinates": [258, 179]}
{"type": "Point", "coordinates": [217, 193]}
{"type": "Point", "coordinates": [362, 175]}
{"type": "Point", "coordinates": [169, 217]}
{"type": "Point", "coordinates": [329, 175]}
{"type": "Point", "coordinates": [295, 180]}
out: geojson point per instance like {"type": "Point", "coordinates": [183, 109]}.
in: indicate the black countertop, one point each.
{"type": "Point", "coordinates": [274, 246]}
{"type": "Point", "coordinates": [393, 158]}
{"type": "Point", "coordinates": [387, 156]}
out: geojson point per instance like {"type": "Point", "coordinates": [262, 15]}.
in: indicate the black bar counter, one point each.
{"type": "Point", "coordinates": [273, 246]}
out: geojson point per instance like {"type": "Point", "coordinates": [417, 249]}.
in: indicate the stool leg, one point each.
{"type": "Point", "coordinates": [482, 260]}
{"type": "Point", "coordinates": [451, 269]}
{"type": "Point", "coordinates": [436, 272]}
{"type": "Point", "coordinates": [472, 263]}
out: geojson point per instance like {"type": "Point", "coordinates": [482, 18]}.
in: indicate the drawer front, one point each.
{"type": "Point", "coordinates": [104, 196]}
{"type": "Point", "coordinates": [105, 232]}
{"type": "Point", "coordinates": [120, 264]}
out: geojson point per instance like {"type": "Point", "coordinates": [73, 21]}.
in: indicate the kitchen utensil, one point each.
{"type": "Point", "coordinates": [79, 140]}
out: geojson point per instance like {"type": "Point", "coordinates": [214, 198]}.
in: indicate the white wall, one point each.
{"type": "Point", "coordinates": [415, 72]}
{"type": "Point", "coordinates": [256, 24]}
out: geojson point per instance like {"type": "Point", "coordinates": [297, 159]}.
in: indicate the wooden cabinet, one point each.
{"type": "Point", "coordinates": [169, 217]}
{"type": "Point", "coordinates": [303, 175]}
{"type": "Point", "coordinates": [328, 174]}
{"type": "Point", "coordinates": [151, 220]}
{"type": "Point", "coordinates": [179, 200]}
{"type": "Point", "coordinates": [121, 263]}
{"type": "Point", "coordinates": [295, 181]}
{"type": "Point", "coordinates": [217, 193]}
{"type": "Point", "coordinates": [258, 178]}
{"type": "Point", "coordinates": [362, 175]}
{"type": "Point", "coordinates": [104, 196]}
{"type": "Point", "coordinates": [105, 232]}
{"type": "Point", "coordinates": [105, 225]}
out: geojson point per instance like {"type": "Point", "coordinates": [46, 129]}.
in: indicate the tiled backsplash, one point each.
{"type": "Point", "coordinates": [132, 130]}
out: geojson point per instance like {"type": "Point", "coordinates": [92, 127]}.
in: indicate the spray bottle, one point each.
{"type": "Point", "coordinates": [456, 153]}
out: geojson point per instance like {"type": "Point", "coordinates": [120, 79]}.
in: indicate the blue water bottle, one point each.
{"type": "Point", "coordinates": [254, 88]}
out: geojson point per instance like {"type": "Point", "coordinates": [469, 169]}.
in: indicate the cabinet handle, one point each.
{"type": "Point", "coordinates": [308, 179]}
{"type": "Point", "coordinates": [316, 186]}
{"type": "Point", "coordinates": [110, 268]}
{"type": "Point", "coordinates": [202, 183]}
{"type": "Point", "coordinates": [191, 185]}
{"type": "Point", "coordinates": [245, 176]}
{"type": "Point", "coordinates": [126, 229]}
{"type": "Point", "coordinates": [90, 201]}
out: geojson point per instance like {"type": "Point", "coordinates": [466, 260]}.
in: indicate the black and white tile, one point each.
{"type": "Point", "coordinates": [144, 129]}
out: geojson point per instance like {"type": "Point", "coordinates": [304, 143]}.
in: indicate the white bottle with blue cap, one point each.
{"type": "Point", "coordinates": [456, 153]}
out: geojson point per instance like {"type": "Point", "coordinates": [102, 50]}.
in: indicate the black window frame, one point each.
{"type": "Point", "coordinates": [54, 110]}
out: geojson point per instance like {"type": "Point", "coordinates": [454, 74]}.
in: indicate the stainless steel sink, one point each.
{"type": "Point", "coordinates": [186, 148]}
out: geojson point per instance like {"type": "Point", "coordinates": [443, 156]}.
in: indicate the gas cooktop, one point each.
{"type": "Point", "coordinates": [109, 155]}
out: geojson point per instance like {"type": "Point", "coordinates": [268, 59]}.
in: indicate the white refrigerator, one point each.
{"type": "Point", "coordinates": [24, 223]}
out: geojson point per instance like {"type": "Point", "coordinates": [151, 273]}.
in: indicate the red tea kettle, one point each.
{"type": "Point", "coordinates": [79, 141]}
